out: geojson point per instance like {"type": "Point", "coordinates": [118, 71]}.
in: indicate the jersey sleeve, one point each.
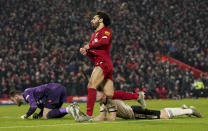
{"type": "Point", "coordinates": [33, 106]}
{"type": "Point", "coordinates": [31, 111]}
{"type": "Point", "coordinates": [105, 38]}
{"type": "Point", "coordinates": [112, 106]}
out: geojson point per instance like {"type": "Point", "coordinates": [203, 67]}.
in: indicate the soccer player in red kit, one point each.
{"type": "Point", "coordinates": [98, 50]}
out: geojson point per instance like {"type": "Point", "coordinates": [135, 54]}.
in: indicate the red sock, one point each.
{"type": "Point", "coordinates": [91, 100]}
{"type": "Point", "coordinates": [125, 95]}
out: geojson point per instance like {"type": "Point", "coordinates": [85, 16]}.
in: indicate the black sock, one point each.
{"type": "Point", "coordinates": [145, 113]}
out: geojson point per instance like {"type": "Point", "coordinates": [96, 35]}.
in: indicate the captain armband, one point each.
{"type": "Point", "coordinates": [102, 108]}
{"type": "Point", "coordinates": [112, 109]}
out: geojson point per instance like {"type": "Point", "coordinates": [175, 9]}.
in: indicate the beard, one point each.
{"type": "Point", "coordinates": [95, 25]}
{"type": "Point", "coordinates": [19, 103]}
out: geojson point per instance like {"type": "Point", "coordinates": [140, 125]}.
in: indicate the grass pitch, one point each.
{"type": "Point", "coordinates": [10, 119]}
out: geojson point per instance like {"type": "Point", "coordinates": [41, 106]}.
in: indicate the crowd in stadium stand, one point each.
{"type": "Point", "coordinates": [40, 41]}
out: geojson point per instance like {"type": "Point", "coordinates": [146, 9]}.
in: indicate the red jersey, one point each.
{"type": "Point", "coordinates": [99, 52]}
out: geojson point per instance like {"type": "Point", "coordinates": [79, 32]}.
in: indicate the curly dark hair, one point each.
{"type": "Point", "coordinates": [105, 17]}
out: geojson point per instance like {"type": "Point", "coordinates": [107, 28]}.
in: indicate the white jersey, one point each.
{"type": "Point", "coordinates": [122, 110]}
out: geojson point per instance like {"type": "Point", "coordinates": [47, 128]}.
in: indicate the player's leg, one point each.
{"type": "Point", "coordinates": [52, 106]}
{"type": "Point", "coordinates": [45, 112]}
{"type": "Point", "coordinates": [195, 112]}
{"type": "Point", "coordinates": [49, 113]}
{"type": "Point", "coordinates": [96, 79]}
{"type": "Point", "coordinates": [176, 111]}
{"type": "Point", "coordinates": [119, 94]}
{"type": "Point", "coordinates": [108, 88]}
{"type": "Point", "coordinates": [72, 109]}
{"type": "Point", "coordinates": [122, 95]}
{"type": "Point", "coordinates": [54, 113]}
{"type": "Point", "coordinates": [164, 115]}
{"type": "Point", "coordinates": [141, 113]}
{"type": "Point", "coordinates": [180, 111]}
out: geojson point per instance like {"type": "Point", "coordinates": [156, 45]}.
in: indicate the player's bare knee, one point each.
{"type": "Point", "coordinates": [109, 92]}
{"type": "Point", "coordinates": [45, 112]}
{"type": "Point", "coordinates": [164, 115]}
{"type": "Point", "coordinates": [45, 116]}
{"type": "Point", "coordinates": [94, 84]}
{"type": "Point", "coordinates": [90, 84]}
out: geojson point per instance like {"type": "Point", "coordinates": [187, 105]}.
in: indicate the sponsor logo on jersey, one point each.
{"type": "Point", "coordinates": [107, 33]}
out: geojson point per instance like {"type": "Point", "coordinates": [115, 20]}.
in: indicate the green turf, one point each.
{"type": "Point", "coordinates": [10, 119]}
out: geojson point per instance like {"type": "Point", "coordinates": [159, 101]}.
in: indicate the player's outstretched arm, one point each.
{"type": "Point", "coordinates": [29, 113]}
{"type": "Point", "coordinates": [31, 110]}
{"type": "Point", "coordinates": [101, 117]}
{"type": "Point", "coordinates": [112, 116]}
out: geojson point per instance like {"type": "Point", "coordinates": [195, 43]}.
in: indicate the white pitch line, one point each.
{"type": "Point", "coordinates": [77, 124]}
{"type": "Point", "coordinates": [8, 117]}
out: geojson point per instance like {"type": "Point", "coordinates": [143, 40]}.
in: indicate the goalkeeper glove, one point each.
{"type": "Point", "coordinates": [23, 117]}
{"type": "Point", "coordinates": [35, 116]}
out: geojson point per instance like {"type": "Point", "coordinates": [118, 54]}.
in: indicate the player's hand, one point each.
{"type": "Point", "coordinates": [87, 47]}
{"type": "Point", "coordinates": [23, 117]}
{"type": "Point", "coordinates": [83, 51]}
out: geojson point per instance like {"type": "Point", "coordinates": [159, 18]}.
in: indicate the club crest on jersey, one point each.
{"type": "Point", "coordinates": [107, 33]}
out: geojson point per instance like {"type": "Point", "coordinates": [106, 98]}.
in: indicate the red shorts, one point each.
{"type": "Point", "coordinates": [107, 69]}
